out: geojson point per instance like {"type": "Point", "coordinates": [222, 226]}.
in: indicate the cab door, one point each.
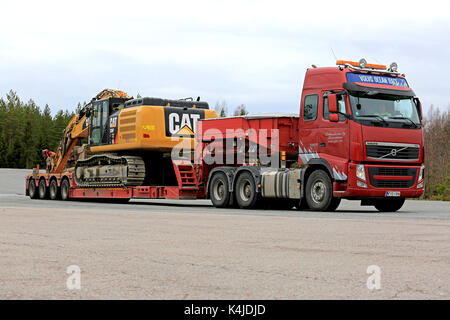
{"type": "Point", "coordinates": [333, 137]}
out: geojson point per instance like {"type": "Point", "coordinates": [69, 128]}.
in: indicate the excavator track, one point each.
{"type": "Point", "coordinates": [110, 171]}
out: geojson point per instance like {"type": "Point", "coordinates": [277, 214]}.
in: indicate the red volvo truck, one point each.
{"type": "Point", "coordinates": [358, 136]}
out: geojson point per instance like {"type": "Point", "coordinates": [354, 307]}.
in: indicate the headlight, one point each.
{"type": "Point", "coordinates": [361, 184]}
{"type": "Point", "coordinates": [360, 172]}
{"type": "Point", "coordinates": [422, 168]}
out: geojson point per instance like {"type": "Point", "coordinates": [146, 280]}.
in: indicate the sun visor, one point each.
{"type": "Point", "coordinates": [372, 90]}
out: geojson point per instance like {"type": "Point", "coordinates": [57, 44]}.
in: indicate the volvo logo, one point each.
{"type": "Point", "coordinates": [394, 152]}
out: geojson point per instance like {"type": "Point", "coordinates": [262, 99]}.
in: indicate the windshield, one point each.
{"type": "Point", "coordinates": [384, 107]}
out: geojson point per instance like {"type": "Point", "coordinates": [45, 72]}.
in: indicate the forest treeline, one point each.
{"type": "Point", "coordinates": [26, 129]}
{"type": "Point", "coordinates": [437, 154]}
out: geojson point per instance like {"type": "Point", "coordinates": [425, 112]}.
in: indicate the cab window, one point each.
{"type": "Point", "coordinates": [310, 107]}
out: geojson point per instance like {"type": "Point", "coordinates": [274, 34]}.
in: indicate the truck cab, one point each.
{"type": "Point", "coordinates": [361, 126]}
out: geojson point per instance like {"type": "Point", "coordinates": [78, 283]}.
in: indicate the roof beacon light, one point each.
{"type": "Point", "coordinates": [362, 63]}
{"type": "Point", "coordinates": [393, 67]}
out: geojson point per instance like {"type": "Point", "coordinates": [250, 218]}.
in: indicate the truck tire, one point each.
{"type": "Point", "coordinates": [301, 205]}
{"type": "Point", "coordinates": [42, 189]}
{"type": "Point", "coordinates": [54, 190]}
{"type": "Point", "coordinates": [32, 189]}
{"type": "Point", "coordinates": [65, 190]}
{"type": "Point", "coordinates": [218, 190]}
{"type": "Point", "coordinates": [334, 204]}
{"type": "Point", "coordinates": [245, 191]}
{"type": "Point", "coordinates": [389, 205]}
{"type": "Point", "coordinates": [319, 191]}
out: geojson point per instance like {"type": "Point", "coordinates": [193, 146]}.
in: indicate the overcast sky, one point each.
{"type": "Point", "coordinates": [251, 52]}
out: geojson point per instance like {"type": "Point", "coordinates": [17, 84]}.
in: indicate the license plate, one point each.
{"type": "Point", "coordinates": [392, 193]}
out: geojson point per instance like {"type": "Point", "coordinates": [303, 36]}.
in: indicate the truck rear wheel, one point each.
{"type": "Point", "coordinates": [245, 191]}
{"type": "Point", "coordinates": [65, 189]}
{"type": "Point", "coordinates": [218, 190]}
{"type": "Point", "coordinates": [32, 189]}
{"type": "Point", "coordinates": [43, 190]}
{"type": "Point", "coordinates": [389, 205]}
{"type": "Point", "coordinates": [54, 190]}
{"type": "Point", "coordinates": [319, 191]}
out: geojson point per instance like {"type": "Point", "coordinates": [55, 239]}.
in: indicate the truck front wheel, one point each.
{"type": "Point", "coordinates": [218, 190]}
{"type": "Point", "coordinates": [389, 205]}
{"type": "Point", "coordinates": [319, 191]}
{"type": "Point", "coordinates": [334, 204]}
{"type": "Point", "coordinates": [245, 191]}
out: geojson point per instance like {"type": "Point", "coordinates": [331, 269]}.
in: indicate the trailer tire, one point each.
{"type": "Point", "coordinates": [389, 205]}
{"type": "Point", "coordinates": [65, 190]}
{"type": "Point", "coordinates": [42, 189]}
{"type": "Point", "coordinates": [245, 191]}
{"type": "Point", "coordinates": [218, 190]}
{"type": "Point", "coordinates": [319, 191]}
{"type": "Point", "coordinates": [32, 189]}
{"type": "Point", "coordinates": [54, 190]}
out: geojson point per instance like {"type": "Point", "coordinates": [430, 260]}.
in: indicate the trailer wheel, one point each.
{"type": "Point", "coordinates": [32, 189]}
{"type": "Point", "coordinates": [43, 190]}
{"type": "Point", "coordinates": [218, 190]}
{"type": "Point", "coordinates": [389, 205]}
{"type": "Point", "coordinates": [54, 190]}
{"type": "Point", "coordinates": [319, 191]}
{"type": "Point", "coordinates": [65, 189]}
{"type": "Point", "coordinates": [245, 191]}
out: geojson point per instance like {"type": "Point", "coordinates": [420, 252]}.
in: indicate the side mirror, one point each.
{"type": "Point", "coordinates": [418, 107]}
{"type": "Point", "coordinates": [332, 104]}
{"type": "Point", "coordinates": [334, 117]}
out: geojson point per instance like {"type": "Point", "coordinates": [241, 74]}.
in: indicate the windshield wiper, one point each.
{"type": "Point", "coordinates": [375, 116]}
{"type": "Point", "coordinates": [405, 118]}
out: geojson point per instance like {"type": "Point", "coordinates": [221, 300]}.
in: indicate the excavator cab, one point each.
{"type": "Point", "coordinates": [101, 110]}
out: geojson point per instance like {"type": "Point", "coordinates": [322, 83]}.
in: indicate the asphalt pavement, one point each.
{"type": "Point", "coordinates": [161, 249]}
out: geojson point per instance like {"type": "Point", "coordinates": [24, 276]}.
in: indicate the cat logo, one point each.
{"type": "Point", "coordinates": [181, 122]}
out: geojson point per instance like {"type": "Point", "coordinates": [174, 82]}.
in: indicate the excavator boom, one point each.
{"type": "Point", "coordinates": [77, 129]}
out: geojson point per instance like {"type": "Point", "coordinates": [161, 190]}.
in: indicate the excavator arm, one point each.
{"type": "Point", "coordinates": [76, 130]}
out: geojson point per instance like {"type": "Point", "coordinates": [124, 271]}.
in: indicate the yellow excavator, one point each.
{"type": "Point", "coordinates": [117, 140]}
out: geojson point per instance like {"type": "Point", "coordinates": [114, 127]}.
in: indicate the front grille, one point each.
{"type": "Point", "coordinates": [390, 183]}
{"type": "Point", "coordinates": [387, 171]}
{"type": "Point", "coordinates": [392, 171]}
{"type": "Point", "coordinates": [392, 152]}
